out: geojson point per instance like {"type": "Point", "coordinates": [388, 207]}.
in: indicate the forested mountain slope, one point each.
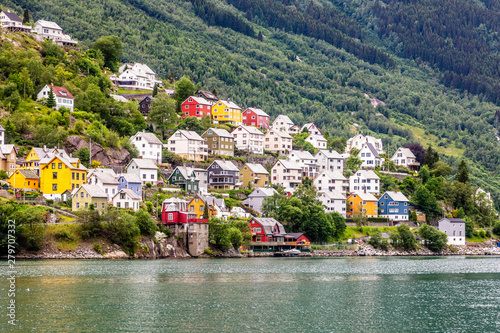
{"type": "Point", "coordinates": [316, 61]}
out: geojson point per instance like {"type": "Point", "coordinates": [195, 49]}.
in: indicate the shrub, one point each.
{"type": "Point", "coordinates": [64, 235]}
{"type": "Point", "coordinates": [377, 241]}
{"type": "Point", "coordinates": [208, 251]}
{"type": "Point", "coordinates": [122, 230]}
{"type": "Point", "coordinates": [435, 240]}
{"type": "Point", "coordinates": [167, 232]}
{"type": "Point", "coordinates": [97, 248]}
{"type": "Point", "coordinates": [482, 233]}
{"type": "Point", "coordinates": [496, 228]}
{"type": "Point", "coordinates": [146, 224]}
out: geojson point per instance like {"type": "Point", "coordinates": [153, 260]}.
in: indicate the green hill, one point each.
{"type": "Point", "coordinates": [315, 61]}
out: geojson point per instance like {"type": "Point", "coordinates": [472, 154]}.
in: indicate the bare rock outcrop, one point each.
{"type": "Point", "coordinates": [107, 156]}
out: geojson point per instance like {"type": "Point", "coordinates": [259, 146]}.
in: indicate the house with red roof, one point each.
{"type": "Point", "coordinates": [62, 95]}
{"type": "Point", "coordinates": [255, 117]}
{"type": "Point", "coordinates": [196, 107]}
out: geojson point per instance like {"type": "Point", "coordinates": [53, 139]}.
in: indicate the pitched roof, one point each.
{"type": "Point", "coordinates": [452, 219]}
{"type": "Point", "coordinates": [7, 149]}
{"type": "Point", "coordinates": [190, 135]}
{"type": "Point", "coordinates": [12, 16]}
{"type": "Point", "coordinates": [365, 196]}
{"type": "Point", "coordinates": [284, 118]}
{"type": "Point", "coordinates": [61, 92]}
{"type": "Point", "coordinates": [226, 165]}
{"type": "Point", "coordinates": [1, 128]}
{"type": "Point", "coordinates": [263, 191]}
{"type": "Point", "coordinates": [106, 178]}
{"type": "Point", "coordinates": [301, 154]}
{"type": "Point", "coordinates": [149, 137]}
{"type": "Point", "coordinates": [279, 133]}
{"type": "Point", "coordinates": [229, 104]}
{"type": "Point", "coordinates": [258, 112]}
{"type": "Point", "coordinates": [316, 137]}
{"type": "Point", "coordinates": [130, 177]}
{"type": "Point", "coordinates": [207, 94]}
{"type": "Point", "coordinates": [249, 129]}
{"type": "Point", "coordinates": [405, 151]}
{"type": "Point", "coordinates": [48, 24]}
{"type": "Point", "coordinates": [186, 172]}
{"type": "Point", "coordinates": [28, 173]}
{"type": "Point", "coordinates": [257, 168]}
{"type": "Point", "coordinates": [144, 163]}
{"type": "Point", "coordinates": [290, 165]}
{"type": "Point", "coordinates": [219, 132]}
{"type": "Point", "coordinates": [308, 126]}
{"type": "Point", "coordinates": [93, 190]}
{"type": "Point", "coordinates": [368, 174]}
{"type": "Point", "coordinates": [48, 158]}
{"type": "Point", "coordinates": [213, 201]}
{"type": "Point", "coordinates": [396, 196]}
{"type": "Point", "coordinates": [334, 195]}
{"type": "Point", "coordinates": [332, 174]}
{"type": "Point", "coordinates": [268, 223]}
{"type": "Point", "coordinates": [128, 192]}
{"type": "Point", "coordinates": [329, 153]}
{"type": "Point", "coordinates": [294, 235]}
{"type": "Point", "coordinates": [199, 100]}
{"type": "Point", "coordinates": [372, 149]}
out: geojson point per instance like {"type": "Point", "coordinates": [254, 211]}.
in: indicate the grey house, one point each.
{"type": "Point", "coordinates": [256, 198]}
{"type": "Point", "coordinates": [222, 175]}
{"type": "Point", "coordinates": [454, 228]}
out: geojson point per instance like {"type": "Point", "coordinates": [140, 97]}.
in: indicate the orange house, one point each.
{"type": "Point", "coordinates": [361, 203]}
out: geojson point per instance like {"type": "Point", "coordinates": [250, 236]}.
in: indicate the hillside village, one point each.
{"type": "Point", "coordinates": [229, 163]}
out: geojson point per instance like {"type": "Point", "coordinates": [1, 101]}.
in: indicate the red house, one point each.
{"type": "Point", "coordinates": [297, 238]}
{"type": "Point", "coordinates": [265, 229]}
{"type": "Point", "coordinates": [255, 117]}
{"type": "Point", "coordinates": [175, 211]}
{"type": "Point", "coordinates": [196, 107]}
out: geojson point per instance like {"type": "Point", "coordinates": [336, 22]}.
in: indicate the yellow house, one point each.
{"type": "Point", "coordinates": [24, 179]}
{"type": "Point", "coordinates": [32, 161]}
{"type": "Point", "coordinates": [360, 203]}
{"type": "Point", "coordinates": [197, 206]}
{"type": "Point", "coordinates": [255, 174]}
{"type": "Point", "coordinates": [225, 112]}
{"type": "Point", "coordinates": [58, 174]}
{"type": "Point", "coordinates": [87, 195]}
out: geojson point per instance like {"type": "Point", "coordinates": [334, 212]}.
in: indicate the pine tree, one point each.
{"type": "Point", "coordinates": [462, 172]}
{"type": "Point", "coordinates": [260, 37]}
{"type": "Point", "coordinates": [205, 212]}
{"type": "Point", "coordinates": [26, 18]}
{"type": "Point", "coordinates": [215, 92]}
{"type": "Point", "coordinates": [51, 101]}
{"type": "Point", "coordinates": [155, 90]}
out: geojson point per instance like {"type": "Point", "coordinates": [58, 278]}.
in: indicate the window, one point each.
{"type": "Point", "coordinates": [170, 216]}
{"type": "Point", "coordinates": [53, 165]}
{"type": "Point", "coordinates": [59, 165]}
{"type": "Point", "coordinates": [54, 187]}
{"type": "Point", "coordinates": [102, 205]}
{"type": "Point", "coordinates": [54, 175]}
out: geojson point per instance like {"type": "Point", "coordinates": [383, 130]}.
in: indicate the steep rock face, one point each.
{"type": "Point", "coordinates": [107, 156]}
{"type": "Point", "coordinates": [163, 247]}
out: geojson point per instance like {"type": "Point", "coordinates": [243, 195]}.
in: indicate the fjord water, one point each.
{"type": "Point", "coordinates": [439, 294]}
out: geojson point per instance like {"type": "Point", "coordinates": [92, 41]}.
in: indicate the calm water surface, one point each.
{"type": "Point", "coordinates": [445, 294]}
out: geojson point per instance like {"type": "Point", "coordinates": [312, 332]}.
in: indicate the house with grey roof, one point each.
{"type": "Point", "coordinates": [51, 30]}
{"type": "Point", "coordinates": [188, 144]}
{"type": "Point", "coordinates": [369, 156]}
{"type": "Point", "coordinates": [286, 173]}
{"type": "Point", "coordinates": [405, 158]}
{"type": "Point", "coordinates": [333, 201]}
{"type": "Point", "coordinates": [329, 160]}
{"type": "Point", "coordinates": [266, 229]}
{"type": "Point", "coordinates": [256, 198]}
{"type": "Point", "coordinates": [329, 181]}
{"type": "Point", "coordinates": [219, 141]}
{"type": "Point", "coordinates": [148, 145]}
{"type": "Point", "coordinates": [365, 180]}
{"type": "Point", "coordinates": [145, 168]}
{"type": "Point", "coordinates": [126, 198]}
{"type": "Point", "coordinates": [223, 175]}
{"type": "Point", "coordinates": [249, 138]}
{"type": "Point", "coordinates": [394, 205]}
{"type": "Point", "coordinates": [185, 178]}
{"type": "Point", "coordinates": [104, 180]}
{"type": "Point", "coordinates": [11, 21]}
{"type": "Point", "coordinates": [317, 141]}
{"type": "Point", "coordinates": [454, 228]}
{"type": "Point", "coordinates": [87, 195]}
{"type": "Point", "coordinates": [130, 181]}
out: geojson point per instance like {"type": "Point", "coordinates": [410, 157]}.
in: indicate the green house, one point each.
{"type": "Point", "coordinates": [185, 178]}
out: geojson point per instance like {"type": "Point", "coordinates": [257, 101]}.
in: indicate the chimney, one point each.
{"type": "Point", "coordinates": [331, 149]}
{"type": "Point", "coordinates": [187, 129]}
{"type": "Point", "coordinates": [44, 148]}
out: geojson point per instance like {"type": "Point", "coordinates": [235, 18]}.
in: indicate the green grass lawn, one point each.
{"type": "Point", "coordinates": [430, 139]}
{"type": "Point", "coordinates": [355, 232]}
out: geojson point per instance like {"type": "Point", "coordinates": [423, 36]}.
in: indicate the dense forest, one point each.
{"type": "Point", "coordinates": [305, 73]}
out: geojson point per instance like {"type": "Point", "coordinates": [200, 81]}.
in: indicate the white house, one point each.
{"type": "Point", "coordinates": [369, 156]}
{"type": "Point", "coordinates": [357, 141]}
{"type": "Point", "coordinates": [330, 181]}
{"type": "Point", "coordinates": [307, 160]}
{"type": "Point", "coordinates": [454, 228]}
{"type": "Point", "coordinates": [333, 201]}
{"type": "Point", "coordinates": [126, 198]}
{"type": "Point", "coordinates": [294, 129]}
{"type": "Point", "coordinates": [218, 204]}
{"type": "Point", "coordinates": [311, 128]}
{"type": "Point", "coordinates": [51, 30]}
{"type": "Point", "coordinates": [286, 173]}
{"type": "Point", "coordinates": [249, 138]}
{"type": "Point", "coordinates": [62, 96]}
{"type": "Point", "coordinates": [329, 160]}
{"type": "Point", "coordinates": [146, 169]}
{"type": "Point", "coordinates": [189, 145]}
{"type": "Point", "coordinates": [277, 141]}
{"type": "Point", "coordinates": [405, 158]}
{"type": "Point", "coordinates": [148, 145]}
{"type": "Point", "coordinates": [201, 176]}
{"type": "Point", "coordinates": [105, 181]}
{"type": "Point", "coordinates": [256, 198]}
{"type": "Point", "coordinates": [135, 76]}
{"type": "Point", "coordinates": [317, 141]}
{"type": "Point", "coordinates": [282, 123]}
{"type": "Point", "coordinates": [364, 180]}
{"type": "Point", "coordinates": [13, 22]}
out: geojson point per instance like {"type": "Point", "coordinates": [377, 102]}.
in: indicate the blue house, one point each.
{"type": "Point", "coordinates": [130, 181]}
{"type": "Point", "coordinates": [393, 205]}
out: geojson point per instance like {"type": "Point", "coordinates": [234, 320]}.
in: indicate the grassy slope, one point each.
{"type": "Point", "coordinates": [170, 38]}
